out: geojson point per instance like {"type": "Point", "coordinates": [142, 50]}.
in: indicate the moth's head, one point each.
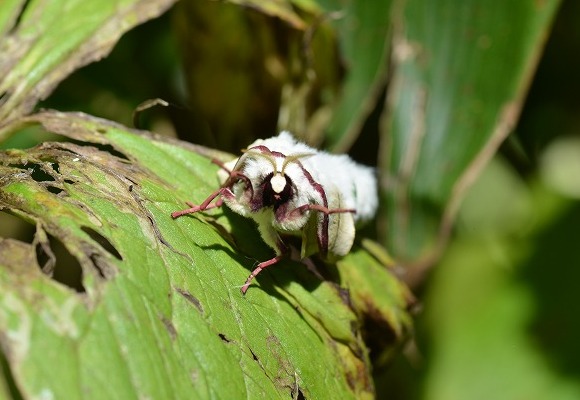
{"type": "Point", "coordinates": [277, 189]}
{"type": "Point", "coordinates": [276, 186]}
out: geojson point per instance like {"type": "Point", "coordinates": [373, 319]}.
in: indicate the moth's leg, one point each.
{"type": "Point", "coordinates": [235, 174]}
{"type": "Point", "coordinates": [282, 251]}
{"type": "Point", "coordinates": [322, 209]}
{"type": "Point", "coordinates": [259, 269]}
{"type": "Point", "coordinates": [221, 164]}
{"type": "Point", "coordinates": [203, 206]}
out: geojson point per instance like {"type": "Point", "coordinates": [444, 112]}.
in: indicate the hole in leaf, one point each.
{"type": "Point", "coordinates": [53, 258]}
{"type": "Point", "coordinates": [12, 226]}
{"type": "Point", "coordinates": [296, 393]}
{"type": "Point", "coordinates": [111, 150]}
{"type": "Point", "coordinates": [103, 147]}
{"type": "Point", "coordinates": [66, 270]}
{"type": "Point", "coordinates": [39, 175]}
{"type": "Point", "coordinates": [54, 189]}
{"type": "Point", "coordinates": [45, 257]}
{"type": "Point", "coordinates": [224, 338]}
{"type": "Point", "coordinates": [300, 395]}
{"type": "Point", "coordinates": [102, 241]}
{"type": "Point", "coordinates": [36, 171]}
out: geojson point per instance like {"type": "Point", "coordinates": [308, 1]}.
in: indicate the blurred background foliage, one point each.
{"type": "Point", "coordinates": [498, 305]}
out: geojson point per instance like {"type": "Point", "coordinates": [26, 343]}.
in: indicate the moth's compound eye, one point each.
{"type": "Point", "coordinates": [277, 190]}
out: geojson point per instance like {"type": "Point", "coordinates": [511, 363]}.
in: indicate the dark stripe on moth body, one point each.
{"type": "Point", "coordinates": [263, 149]}
{"type": "Point", "coordinates": [322, 236]}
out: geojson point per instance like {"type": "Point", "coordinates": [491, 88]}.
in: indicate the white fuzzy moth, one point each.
{"type": "Point", "coordinates": [289, 188]}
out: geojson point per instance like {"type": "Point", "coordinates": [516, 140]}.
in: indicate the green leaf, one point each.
{"type": "Point", "coordinates": [49, 39]}
{"type": "Point", "coordinates": [461, 71]}
{"type": "Point", "coordinates": [158, 312]}
{"type": "Point", "coordinates": [363, 29]}
{"type": "Point", "coordinates": [497, 311]}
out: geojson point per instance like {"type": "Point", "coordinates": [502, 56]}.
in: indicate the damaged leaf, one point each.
{"type": "Point", "coordinates": [41, 42]}
{"type": "Point", "coordinates": [157, 312]}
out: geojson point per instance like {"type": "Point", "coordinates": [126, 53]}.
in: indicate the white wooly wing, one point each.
{"type": "Point", "coordinates": [333, 173]}
{"type": "Point", "coordinates": [347, 185]}
{"type": "Point", "coordinates": [365, 192]}
{"type": "Point", "coordinates": [355, 183]}
{"type": "Point", "coordinates": [339, 232]}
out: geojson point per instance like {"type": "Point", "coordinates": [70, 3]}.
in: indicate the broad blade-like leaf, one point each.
{"type": "Point", "coordinates": [363, 29]}
{"type": "Point", "coordinates": [461, 70]}
{"type": "Point", "coordinates": [158, 312]}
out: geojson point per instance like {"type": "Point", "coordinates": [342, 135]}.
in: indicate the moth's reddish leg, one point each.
{"type": "Point", "coordinates": [221, 165]}
{"type": "Point", "coordinates": [322, 209]}
{"type": "Point", "coordinates": [259, 269]}
{"type": "Point", "coordinates": [283, 249]}
{"type": "Point", "coordinates": [234, 174]}
{"type": "Point", "coordinates": [203, 206]}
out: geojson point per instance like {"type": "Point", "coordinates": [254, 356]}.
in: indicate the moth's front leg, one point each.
{"type": "Point", "coordinates": [272, 239]}
{"type": "Point", "coordinates": [224, 191]}
{"type": "Point", "coordinates": [203, 206]}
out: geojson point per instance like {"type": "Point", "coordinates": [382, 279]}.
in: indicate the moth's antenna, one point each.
{"type": "Point", "coordinates": [294, 157]}
{"type": "Point", "coordinates": [266, 156]}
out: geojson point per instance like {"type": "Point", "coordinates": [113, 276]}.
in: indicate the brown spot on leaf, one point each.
{"type": "Point", "coordinates": [169, 327]}
{"type": "Point", "coordinates": [191, 298]}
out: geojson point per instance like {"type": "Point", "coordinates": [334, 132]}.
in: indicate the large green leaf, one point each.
{"type": "Point", "coordinates": [363, 29]}
{"type": "Point", "coordinates": [461, 69]}
{"type": "Point", "coordinates": [43, 41]}
{"type": "Point", "coordinates": [158, 311]}
{"type": "Point", "coordinates": [500, 308]}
